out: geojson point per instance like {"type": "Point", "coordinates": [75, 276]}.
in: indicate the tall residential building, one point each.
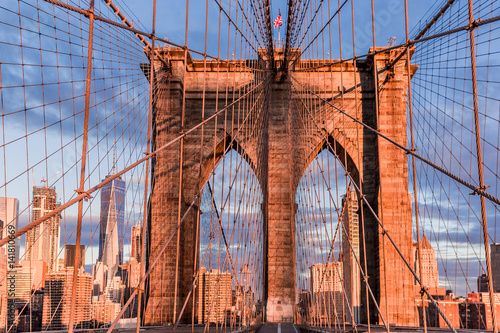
{"type": "Point", "coordinates": [112, 219]}
{"type": "Point", "coordinates": [131, 274]}
{"type": "Point", "coordinates": [42, 242]}
{"type": "Point", "coordinates": [61, 264]}
{"type": "Point", "coordinates": [326, 277]}
{"type": "Point", "coordinates": [214, 296]}
{"type": "Point", "coordinates": [37, 269]}
{"type": "Point", "coordinates": [70, 255]}
{"type": "Point", "coordinates": [350, 251]}
{"type": "Point", "coordinates": [495, 265]}
{"type": "Point", "coordinates": [9, 209]}
{"type": "Point", "coordinates": [326, 292]}
{"type": "Point", "coordinates": [100, 275]}
{"type": "Point", "coordinates": [136, 236]}
{"type": "Point", "coordinates": [115, 290]}
{"type": "Point", "coordinates": [430, 274]}
{"type": "Point", "coordinates": [104, 312]}
{"type": "Point", "coordinates": [133, 269]}
{"type": "Point", "coordinates": [23, 282]}
{"type": "Point", "coordinates": [57, 300]}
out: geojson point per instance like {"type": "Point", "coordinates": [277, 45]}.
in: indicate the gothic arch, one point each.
{"type": "Point", "coordinates": [212, 160]}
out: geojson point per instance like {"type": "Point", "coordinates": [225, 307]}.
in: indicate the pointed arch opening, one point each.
{"type": "Point", "coordinates": [230, 241]}
{"type": "Point", "coordinates": [327, 237]}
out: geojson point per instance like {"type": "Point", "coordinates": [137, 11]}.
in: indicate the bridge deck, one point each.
{"type": "Point", "coordinates": [289, 328]}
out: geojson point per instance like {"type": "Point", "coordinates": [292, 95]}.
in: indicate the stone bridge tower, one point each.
{"type": "Point", "coordinates": [283, 150]}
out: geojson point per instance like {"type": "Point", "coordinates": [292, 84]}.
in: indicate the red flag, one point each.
{"type": "Point", "coordinates": [278, 22]}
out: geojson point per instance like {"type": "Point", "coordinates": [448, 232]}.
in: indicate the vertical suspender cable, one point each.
{"type": "Point", "coordinates": [181, 162]}
{"type": "Point", "coordinates": [83, 164]}
{"type": "Point", "coordinates": [417, 222]}
{"type": "Point", "coordinates": [148, 144]}
{"type": "Point", "coordinates": [198, 217]}
{"type": "Point", "coordinates": [480, 165]}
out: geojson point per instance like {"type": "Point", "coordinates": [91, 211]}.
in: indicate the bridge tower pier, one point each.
{"type": "Point", "coordinates": [280, 158]}
{"type": "Point", "coordinates": [279, 212]}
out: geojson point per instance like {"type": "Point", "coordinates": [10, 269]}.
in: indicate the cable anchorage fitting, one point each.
{"type": "Point", "coordinates": [87, 194]}
{"type": "Point", "coordinates": [479, 189]}
{"type": "Point", "coordinates": [412, 150]}
{"type": "Point", "coordinates": [473, 25]}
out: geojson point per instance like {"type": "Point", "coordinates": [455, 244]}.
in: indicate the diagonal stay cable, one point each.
{"type": "Point", "coordinates": [108, 180]}
{"type": "Point", "coordinates": [235, 24]}
{"type": "Point", "coordinates": [153, 264]}
{"type": "Point", "coordinates": [344, 229]}
{"type": "Point", "coordinates": [411, 42]}
{"type": "Point", "coordinates": [146, 34]}
{"type": "Point", "coordinates": [475, 189]}
{"type": "Point", "coordinates": [319, 33]}
{"type": "Point", "coordinates": [379, 222]}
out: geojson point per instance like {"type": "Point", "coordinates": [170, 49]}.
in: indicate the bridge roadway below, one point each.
{"type": "Point", "coordinates": [281, 328]}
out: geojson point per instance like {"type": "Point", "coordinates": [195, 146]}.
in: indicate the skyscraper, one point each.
{"type": "Point", "coordinates": [42, 242]}
{"type": "Point", "coordinates": [57, 300]}
{"type": "Point", "coordinates": [70, 255]}
{"type": "Point", "coordinates": [495, 266]}
{"type": "Point", "coordinates": [136, 242]}
{"type": "Point", "coordinates": [112, 218]}
{"type": "Point", "coordinates": [350, 251]}
{"type": "Point", "coordinates": [214, 296]}
{"type": "Point", "coordinates": [430, 274]}
{"type": "Point", "coordinates": [105, 311]}
{"type": "Point", "coordinates": [482, 283]}
{"type": "Point", "coordinates": [326, 277]}
{"type": "Point", "coordinates": [326, 292]}
{"type": "Point", "coordinates": [9, 209]}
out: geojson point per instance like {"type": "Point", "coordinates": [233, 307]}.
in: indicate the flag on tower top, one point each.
{"type": "Point", "coordinates": [278, 22]}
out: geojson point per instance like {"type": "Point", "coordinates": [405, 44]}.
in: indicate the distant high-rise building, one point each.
{"type": "Point", "coordinates": [326, 277]}
{"type": "Point", "coordinates": [57, 300]}
{"type": "Point", "coordinates": [482, 283]}
{"type": "Point", "coordinates": [350, 251]}
{"type": "Point", "coordinates": [100, 275]}
{"type": "Point", "coordinates": [105, 311]}
{"type": "Point", "coordinates": [23, 281]}
{"type": "Point", "coordinates": [115, 290]}
{"type": "Point", "coordinates": [131, 275]}
{"type": "Point", "coordinates": [18, 294]}
{"type": "Point", "coordinates": [304, 305]}
{"type": "Point", "coordinates": [326, 292]}
{"type": "Point", "coordinates": [133, 269]}
{"type": "Point", "coordinates": [495, 266]}
{"type": "Point", "coordinates": [430, 274]}
{"type": "Point", "coordinates": [214, 296]}
{"type": "Point", "coordinates": [61, 264]}
{"type": "Point", "coordinates": [42, 242]}
{"type": "Point", "coordinates": [112, 219]}
{"type": "Point", "coordinates": [38, 271]}
{"type": "Point", "coordinates": [136, 242]}
{"type": "Point", "coordinates": [9, 209]}
{"type": "Point", "coordinates": [70, 255]}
